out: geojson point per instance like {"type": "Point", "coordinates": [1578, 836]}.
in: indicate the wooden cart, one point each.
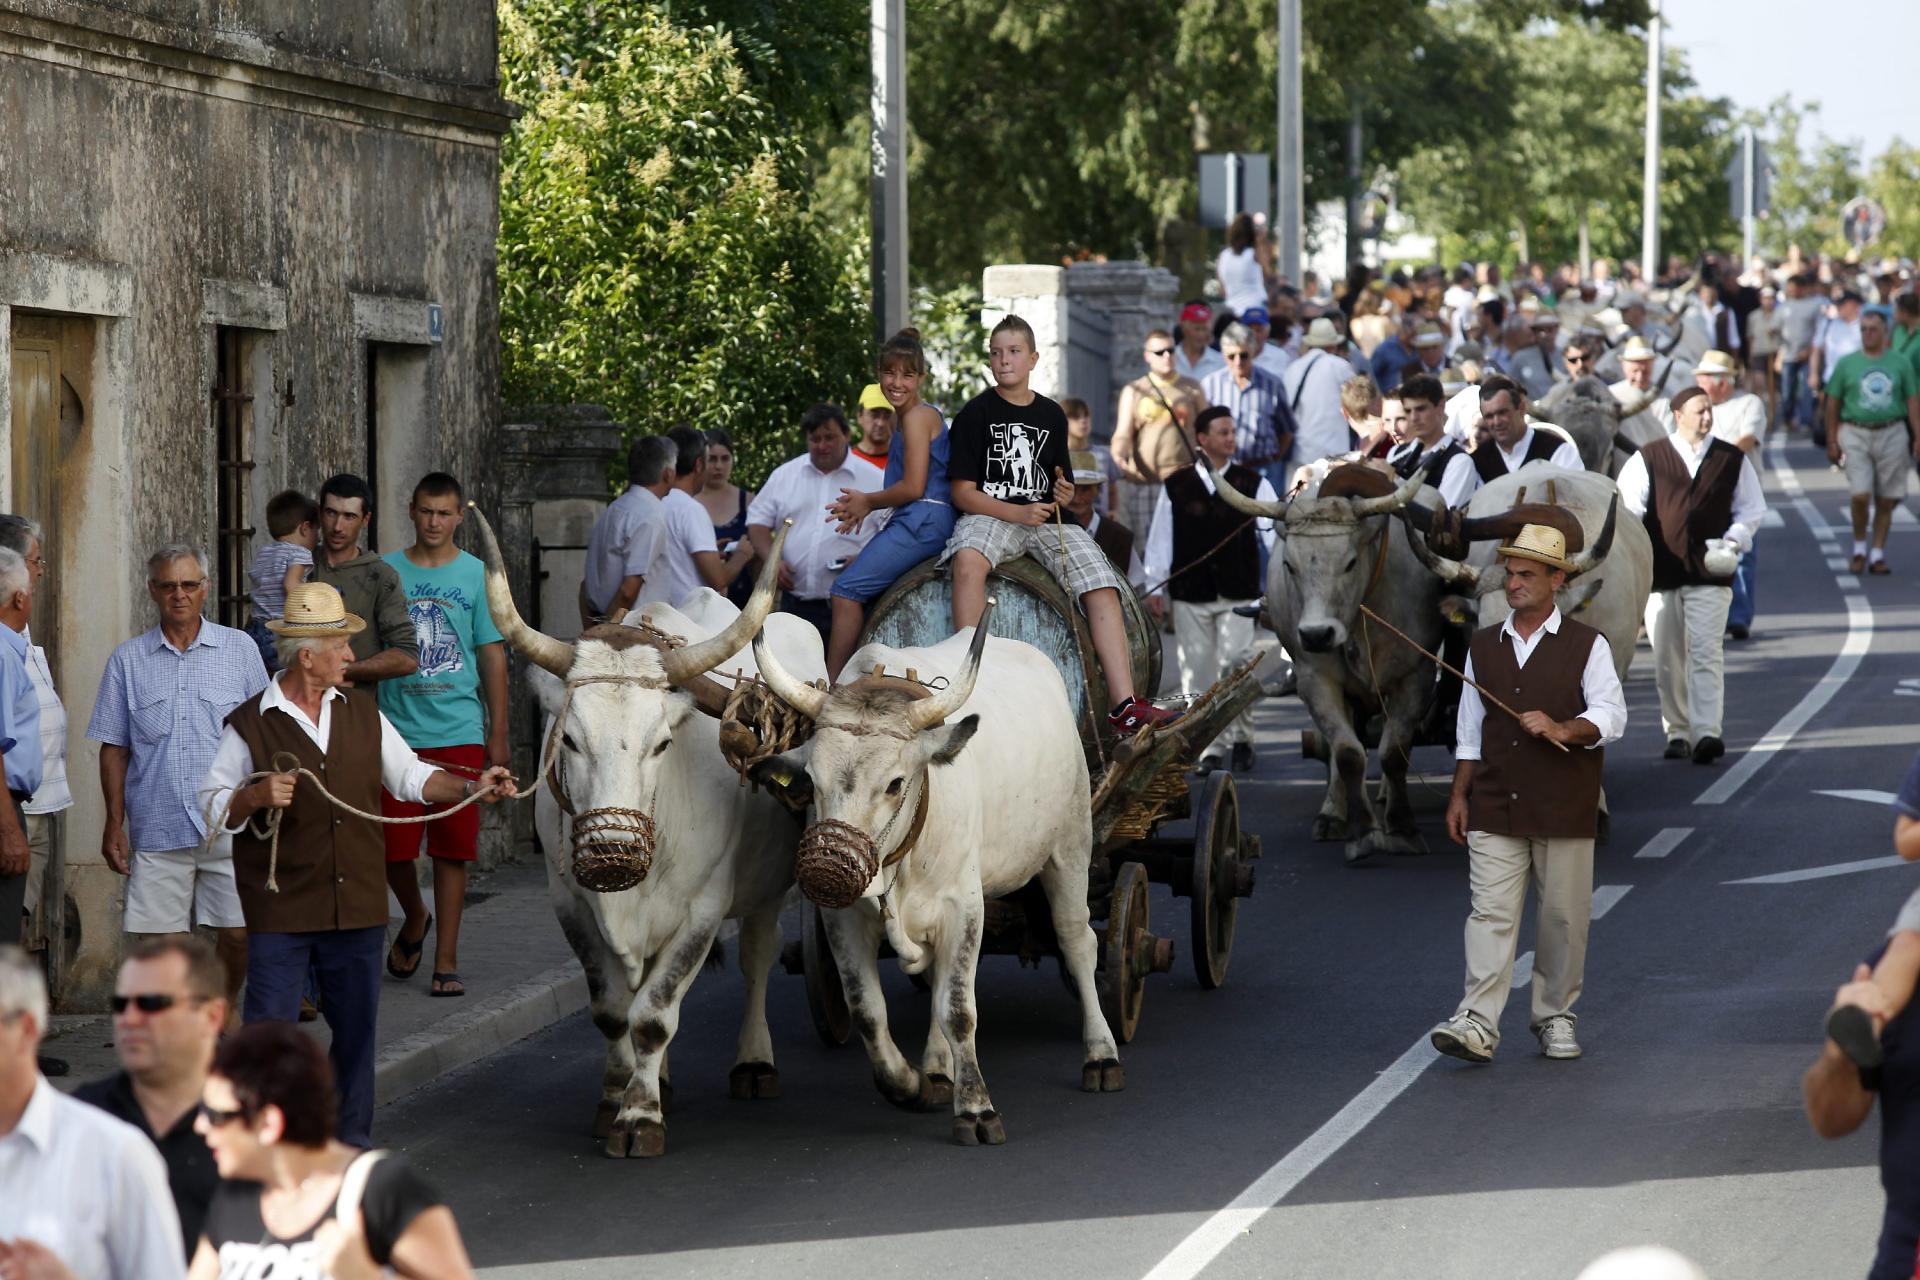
{"type": "Point", "coordinates": [1137, 786]}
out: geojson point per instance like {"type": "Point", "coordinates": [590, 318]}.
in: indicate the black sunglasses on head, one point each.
{"type": "Point", "coordinates": [152, 1003]}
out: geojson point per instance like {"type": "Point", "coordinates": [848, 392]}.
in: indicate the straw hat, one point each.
{"type": "Point", "coordinates": [1321, 333]}
{"type": "Point", "coordinates": [316, 609]}
{"type": "Point", "coordinates": [1717, 363]}
{"type": "Point", "coordinates": [1627, 300]}
{"type": "Point", "coordinates": [1539, 542]}
{"type": "Point", "coordinates": [1637, 348]}
{"type": "Point", "coordinates": [1085, 467]}
{"type": "Point", "coordinates": [1430, 334]}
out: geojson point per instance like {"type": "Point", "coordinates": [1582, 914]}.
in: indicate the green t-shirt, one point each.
{"type": "Point", "coordinates": [1873, 388]}
{"type": "Point", "coordinates": [440, 705]}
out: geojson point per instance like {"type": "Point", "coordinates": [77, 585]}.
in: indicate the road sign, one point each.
{"type": "Point", "coordinates": [1862, 221]}
{"type": "Point", "coordinates": [1737, 180]}
{"type": "Point", "coordinates": [1234, 182]}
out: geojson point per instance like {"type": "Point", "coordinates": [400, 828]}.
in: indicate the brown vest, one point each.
{"type": "Point", "coordinates": [332, 870]}
{"type": "Point", "coordinates": [1683, 511]}
{"type": "Point", "coordinates": [1525, 786]}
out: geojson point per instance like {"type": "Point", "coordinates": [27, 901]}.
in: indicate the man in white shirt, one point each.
{"type": "Point", "coordinates": [627, 547]}
{"type": "Point", "coordinates": [1680, 485]}
{"type": "Point", "coordinates": [1195, 357]}
{"type": "Point", "coordinates": [1417, 426]}
{"type": "Point", "coordinates": [1739, 418]}
{"type": "Point", "coordinates": [1836, 336]}
{"type": "Point", "coordinates": [1514, 440]}
{"type": "Point", "coordinates": [79, 1189]}
{"type": "Point", "coordinates": [692, 555]}
{"type": "Point", "coordinates": [800, 490]}
{"type": "Point", "coordinates": [1312, 390]}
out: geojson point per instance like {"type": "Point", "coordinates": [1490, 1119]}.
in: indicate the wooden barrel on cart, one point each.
{"type": "Point", "coordinates": [1033, 607]}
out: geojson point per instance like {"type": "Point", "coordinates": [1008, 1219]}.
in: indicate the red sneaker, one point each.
{"type": "Point", "coordinates": [1135, 714]}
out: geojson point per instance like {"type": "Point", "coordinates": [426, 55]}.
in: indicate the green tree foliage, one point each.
{"type": "Point", "coordinates": [657, 252]}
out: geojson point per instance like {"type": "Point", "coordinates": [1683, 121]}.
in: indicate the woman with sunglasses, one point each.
{"type": "Point", "coordinates": [267, 1114]}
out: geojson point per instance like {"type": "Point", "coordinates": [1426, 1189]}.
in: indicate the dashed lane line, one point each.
{"type": "Point", "coordinates": [1664, 842]}
{"type": "Point", "coordinates": [1210, 1239]}
{"type": "Point", "coordinates": [1822, 873]}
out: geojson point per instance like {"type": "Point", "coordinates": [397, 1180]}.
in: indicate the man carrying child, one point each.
{"type": "Point", "coordinates": [280, 565]}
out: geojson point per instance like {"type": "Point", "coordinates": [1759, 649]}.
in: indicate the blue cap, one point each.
{"type": "Point", "coordinates": [1255, 315]}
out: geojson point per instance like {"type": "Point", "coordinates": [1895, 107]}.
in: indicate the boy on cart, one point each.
{"type": "Point", "coordinates": [1008, 467]}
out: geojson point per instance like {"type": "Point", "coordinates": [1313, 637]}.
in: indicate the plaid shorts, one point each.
{"type": "Point", "coordinates": [1080, 567]}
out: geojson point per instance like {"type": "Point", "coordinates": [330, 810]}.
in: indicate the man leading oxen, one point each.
{"type": "Point", "coordinates": [925, 804]}
{"type": "Point", "coordinates": [651, 842]}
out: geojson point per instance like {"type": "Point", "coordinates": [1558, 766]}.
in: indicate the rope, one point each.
{"type": "Point", "coordinates": [1448, 667]}
{"type": "Point", "coordinates": [1093, 722]}
{"type": "Point", "coordinates": [776, 727]}
{"type": "Point", "coordinates": [1213, 551]}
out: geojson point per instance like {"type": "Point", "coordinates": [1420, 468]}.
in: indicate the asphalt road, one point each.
{"type": "Point", "coordinates": [1306, 1080]}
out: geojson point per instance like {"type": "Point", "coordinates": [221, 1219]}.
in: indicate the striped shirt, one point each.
{"type": "Point", "coordinates": [52, 795]}
{"type": "Point", "coordinates": [169, 707]}
{"type": "Point", "coordinates": [1260, 412]}
{"type": "Point", "coordinates": [268, 574]}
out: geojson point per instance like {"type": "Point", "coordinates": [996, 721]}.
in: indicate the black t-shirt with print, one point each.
{"type": "Point", "coordinates": [1009, 450]}
{"type": "Point", "coordinates": [395, 1195]}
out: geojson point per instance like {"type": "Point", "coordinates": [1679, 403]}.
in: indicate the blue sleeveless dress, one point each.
{"type": "Point", "coordinates": [917, 531]}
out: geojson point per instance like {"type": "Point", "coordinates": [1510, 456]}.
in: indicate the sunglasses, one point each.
{"type": "Point", "coordinates": [215, 1117]}
{"type": "Point", "coordinates": [1159, 351]}
{"type": "Point", "coordinates": [184, 587]}
{"type": "Point", "coordinates": [152, 1003]}
{"type": "Point", "coordinates": [1238, 356]}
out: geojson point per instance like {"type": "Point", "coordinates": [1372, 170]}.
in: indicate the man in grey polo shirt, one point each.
{"type": "Point", "coordinates": [629, 540]}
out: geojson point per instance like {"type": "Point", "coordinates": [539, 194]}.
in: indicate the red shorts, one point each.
{"type": "Point", "coordinates": [456, 838]}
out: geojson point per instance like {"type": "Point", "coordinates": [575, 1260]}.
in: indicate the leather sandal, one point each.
{"type": "Point", "coordinates": [408, 953]}
{"type": "Point", "coordinates": [1857, 565]}
{"type": "Point", "coordinates": [1879, 566]}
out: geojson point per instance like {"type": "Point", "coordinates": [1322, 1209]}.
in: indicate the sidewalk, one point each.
{"type": "Point", "coordinates": [520, 975]}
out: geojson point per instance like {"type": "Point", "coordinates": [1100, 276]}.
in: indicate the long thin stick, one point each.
{"type": "Point", "coordinates": [1444, 666]}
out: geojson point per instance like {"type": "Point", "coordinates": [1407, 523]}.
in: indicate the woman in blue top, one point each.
{"type": "Point", "coordinates": [916, 486]}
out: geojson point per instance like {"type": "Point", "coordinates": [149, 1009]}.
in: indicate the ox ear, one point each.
{"type": "Point", "coordinates": [549, 691]}
{"type": "Point", "coordinates": [953, 738]}
{"type": "Point", "coordinates": [786, 773]}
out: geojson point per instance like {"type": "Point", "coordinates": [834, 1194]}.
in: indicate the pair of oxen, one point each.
{"type": "Point", "coordinates": [950, 793]}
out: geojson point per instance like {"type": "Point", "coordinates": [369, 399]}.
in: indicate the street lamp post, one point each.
{"type": "Point", "coordinates": [1650, 195]}
{"type": "Point", "coordinates": [1290, 149]}
{"type": "Point", "coordinates": [887, 168]}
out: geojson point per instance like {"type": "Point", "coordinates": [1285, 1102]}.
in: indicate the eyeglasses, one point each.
{"type": "Point", "coordinates": [1159, 351]}
{"type": "Point", "coordinates": [216, 1117]}
{"type": "Point", "coordinates": [183, 587]}
{"type": "Point", "coordinates": [39, 560]}
{"type": "Point", "coordinates": [152, 1002]}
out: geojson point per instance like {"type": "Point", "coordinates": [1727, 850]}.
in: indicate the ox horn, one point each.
{"type": "Point", "coordinates": [804, 698]}
{"type": "Point", "coordinates": [1237, 500]}
{"type": "Point", "coordinates": [1364, 507]}
{"type": "Point", "coordinates": [692, 661]}
{"type": "Point", "coordinates": [1622, 412]}
{"type": "Point", "coordinates": [931, 711]}
{"type": "Point", "coordinates": [540, 649]}
{"type": "Point", "coordinates": [1603, 544]}
{"type": "Point", "coordinates": [1454, 572]}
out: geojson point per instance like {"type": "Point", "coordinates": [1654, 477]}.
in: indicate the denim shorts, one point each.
{"type": "Point", "coordinates": [917, 531]}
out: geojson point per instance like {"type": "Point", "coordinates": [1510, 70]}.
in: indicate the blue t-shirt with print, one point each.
{"type": "Point", "coordinates": [440, 704]}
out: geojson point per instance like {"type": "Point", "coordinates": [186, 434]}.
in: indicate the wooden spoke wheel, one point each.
{"type": "Point", "coordinates": [1127, 954]}
{"type": "Point", "coordinates": [826, 999]}
{"type": "Point", "coordinates": [1217, 877]}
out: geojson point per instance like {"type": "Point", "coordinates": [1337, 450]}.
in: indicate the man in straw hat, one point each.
{"type": "Point", "coordinates": [1637, 364]}
{"type": "Point", "coordinates": [1739, 418]}
{"type": "Point", "coordinates": [1526, 797]}
{"type": "Point", "coordinates": [157, 720]}
{"type": "Point", "coordinates": [1312, 388]}
{"type": "Point", "coordinates": [1701, 501]}
{"type": "Point", "coordinates": [319, 899]}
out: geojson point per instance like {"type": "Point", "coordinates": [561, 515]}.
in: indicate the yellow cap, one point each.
{"type": "Point", "coordinates": [874, 398]}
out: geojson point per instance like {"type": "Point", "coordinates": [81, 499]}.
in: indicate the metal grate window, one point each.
{"type": "Point", "coordinates": [233, 459]}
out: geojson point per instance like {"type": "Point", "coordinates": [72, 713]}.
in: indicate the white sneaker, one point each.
{"type": "Point", "coordinates": [1556, 1038]}
{"type": "Point", "coordinates": [1462, 1036]}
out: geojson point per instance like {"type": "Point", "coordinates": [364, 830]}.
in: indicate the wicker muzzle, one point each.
{"type": "Point", "coordinates": [836, 863]}
{"type": "Point", "coordinates": [612, 849]}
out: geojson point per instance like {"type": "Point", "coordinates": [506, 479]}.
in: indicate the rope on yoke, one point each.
{"type": "Point", "coordinates": [1444, 665]}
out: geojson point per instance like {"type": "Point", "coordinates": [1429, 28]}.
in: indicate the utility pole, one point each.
{"type": "Point", "coordinates": [1747, 182]}
{"type": "Point", "coordinates": [1289, 153]}
{"type": "Point", "coordinates": [887, 161]}
{"type": "Point", "coordinates": [1650, 194]}
{"type": "Point", "coordinates": [1356, 178]}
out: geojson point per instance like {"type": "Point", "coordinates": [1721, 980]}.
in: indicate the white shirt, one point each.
{"type": "Point", "coordinates": [1742, 415]}
{"type": "Point", "coordinates": [1313, 384]}
{"type": "Point", "coordinates": [1197, 369]}
{"type": "Point", "coordinates": [629, 540]}
{"type": "Point", "coordinates": [1274, 359]}
{"type": "Point", "coordinates": [1564, 455]}
{"type": "Point", "coordinates": [1749, 501]}
{"type": "Point", "coordinates": [1837, 338]}
{"type": "Point", "coordinates": [52, 795]}
{"type": "Point", "coordinates": [402, 773]}
{"type": "Point", "coordinates": [91, 1188]}
{"type": "Point", "coordinates": [1599, 686]}
{"type": "Point", "coordinates": [1457, 481]}
{"type": "Point", "coordinates": [799, 491]}
{"type": "Point", "coordinates": [1159, 564]}
{"type": "Point", "coordinates": [689, 530]}
{"type": "Point", "coordinates": [1241, 277]}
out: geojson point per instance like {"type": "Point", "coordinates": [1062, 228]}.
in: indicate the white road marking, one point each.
{"type": "Point", "coordinates": [1210, 1239]}
{"type": "Point", "coordinates": [1847, 582]}
{"type": "Point", "coordinates": [1522, 970]}
{"type": "Point", "coordinates": [1772, 520]}
{"type": "Point", "coordinates": [1845, 663]}
{"type": "Point", "coordinates": [1870, 797]}
{"type": "Point", "coordinates": [1664, 842]}
{"type": "Point", "coordinates": [1836, 563]}
{"type": "Point", "coordinates": [1903, 519]}
{"type": "Point", "coordinates": [1822, 873]}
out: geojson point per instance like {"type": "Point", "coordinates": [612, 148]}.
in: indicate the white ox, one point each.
{"type": "Point", "coordinates": [984, 785]}
{"type": "Point", "coordinates": [633, 753]}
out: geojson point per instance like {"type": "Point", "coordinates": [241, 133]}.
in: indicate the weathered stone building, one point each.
{"type": "Point", "coordinates": [244, 244]}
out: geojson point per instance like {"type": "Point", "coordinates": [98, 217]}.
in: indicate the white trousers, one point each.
{"type": "Point", "coordinates": [1209, 640]}
{"type": "Point", "coordinates": [1499, 869]}
{"type": "Point", "coordinates": [1687, 626]}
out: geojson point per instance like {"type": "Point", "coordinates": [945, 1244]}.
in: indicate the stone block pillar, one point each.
{"type": "Point", "coordinates": [1038, 295]}
{"type": "Point", "coordinates": [1135, 298]}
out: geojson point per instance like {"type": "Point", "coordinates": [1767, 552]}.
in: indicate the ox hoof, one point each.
{"type": "Point", "coordinates": [914, 1098]}
{"type": "Point", "coordinates": [979, 1129]}
{"type": "Point", "coordinates": [1325, 828]}
{"type": "Point", "coordinates": [1359, 850]}
{"type": "Point", "coordinates": [1104, 1075]}
{"type": "Point", "coordinates": [751, 1080]}
{"type": "Point", "coordinates": [603, 1118]}
{"type": "Point", "coordinates": [1411, 843]}
{"type": "Point", "coordinates": [936, 1091]}
{"type": "Point", "coordinates": [642, 1140]}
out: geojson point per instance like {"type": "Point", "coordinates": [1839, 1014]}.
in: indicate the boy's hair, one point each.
{"type": "Point", "coordinates": [438, 484]}
{"type": "Point", "coordinates": [1423, 387]}
{"type": "Point", "coordinates": [1074, 407]}
{"type": "Point", "coordinates": [288, 510]}
{"type": "Point", "coordinates": [1011, 323]}
{"type": "Point", "coordinates": [820, 415]}
{"type": "Point", "coordinates": [1359, 397]}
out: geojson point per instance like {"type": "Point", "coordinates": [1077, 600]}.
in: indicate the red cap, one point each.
{"type": "Point", "coordinates": [1197, 311]}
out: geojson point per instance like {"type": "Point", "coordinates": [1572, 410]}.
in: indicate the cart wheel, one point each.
{"type": "Point", "coordinates": [1129, 953]}
{"type": "Point", "coordinates": [1217, 876]}
{"type": "Point", "coordinates": [826, 1000]}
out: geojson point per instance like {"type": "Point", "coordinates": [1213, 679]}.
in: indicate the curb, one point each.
{"type": "Point", "coordinates": [488, 1027]}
